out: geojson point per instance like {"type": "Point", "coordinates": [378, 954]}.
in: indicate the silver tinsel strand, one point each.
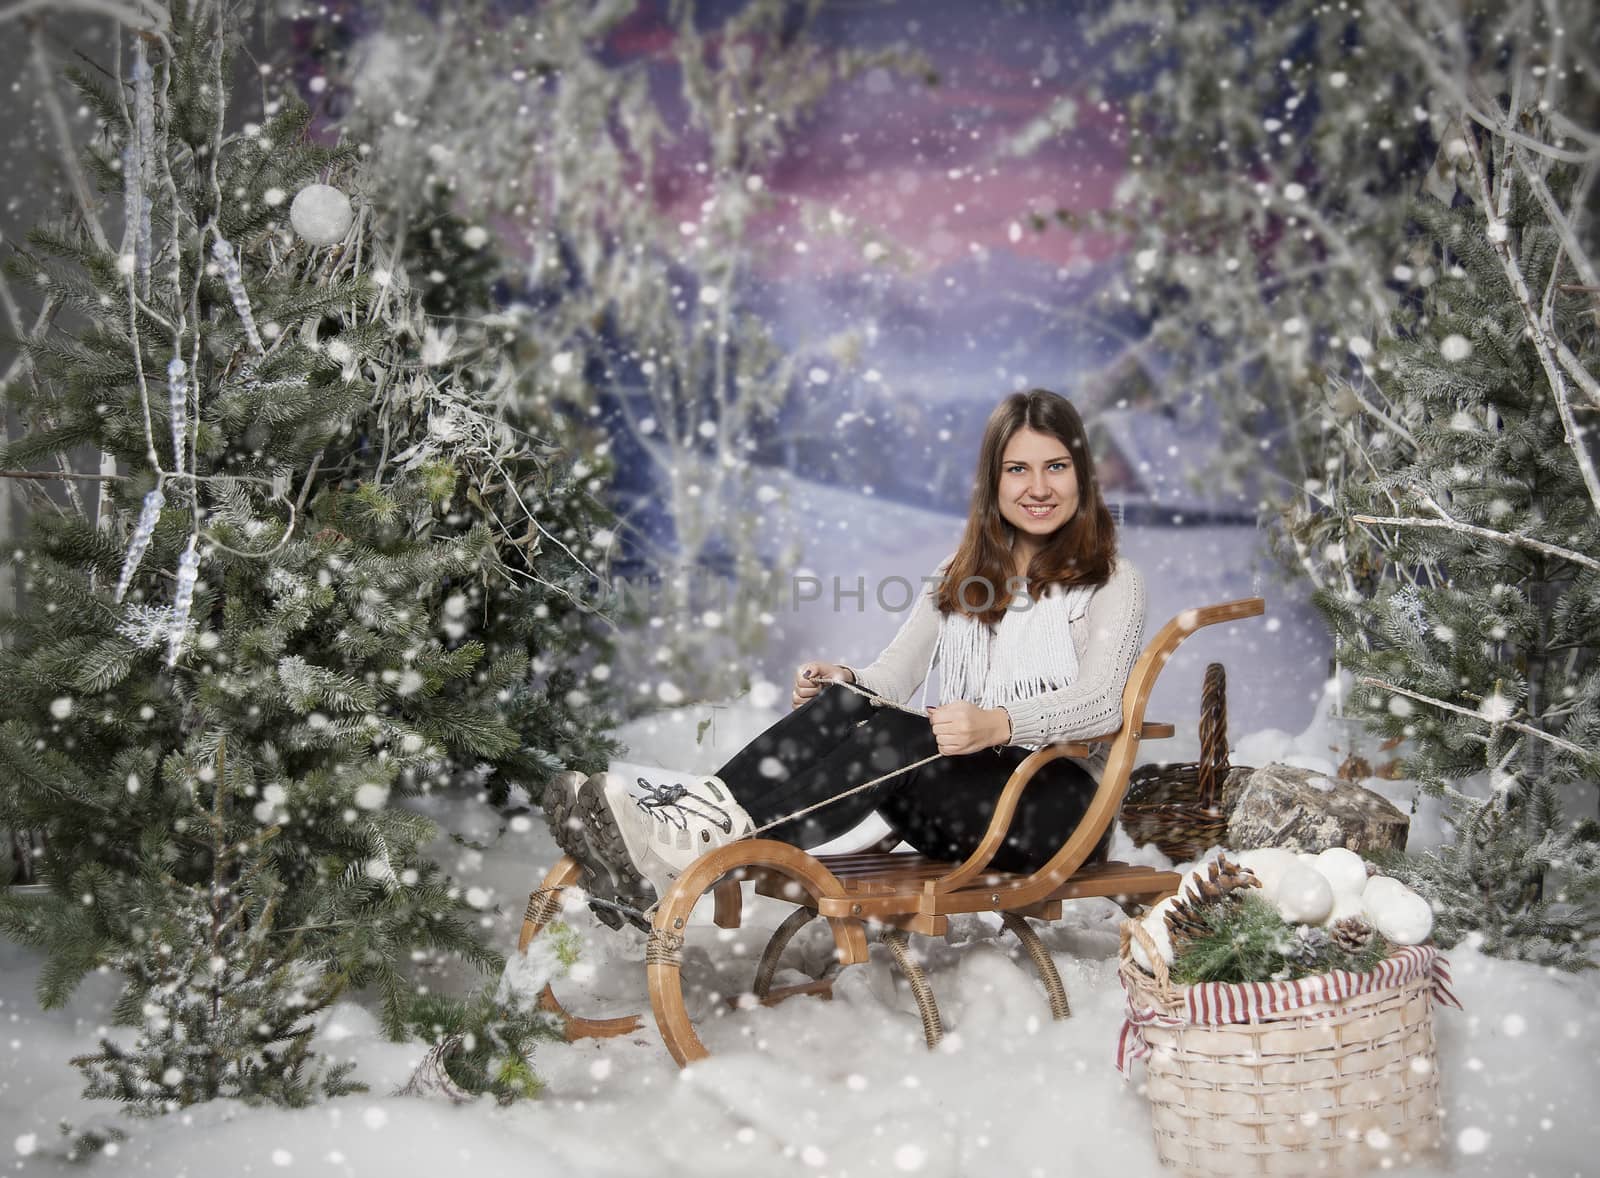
{"type": "Point", "coordinates": [188, 574]}
{"type": "Point", "coordinates": [222, 251]}
{"type": "Point", "coordinates": [149, 514]}
{"type": "Point", "coordinates": [144, 106]}
{"type": "Point", "coordinates": [178, 404]}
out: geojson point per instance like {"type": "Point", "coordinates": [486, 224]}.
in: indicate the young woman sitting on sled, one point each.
{"type": "Point", "coordinates": [1033, 624]}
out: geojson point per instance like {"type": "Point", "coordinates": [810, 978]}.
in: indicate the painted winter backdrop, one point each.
{"type": "Point", "coordinates": [310, 500]}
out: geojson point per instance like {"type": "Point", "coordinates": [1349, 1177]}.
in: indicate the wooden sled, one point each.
{"type": "Point", "coordinates": [898, 893]}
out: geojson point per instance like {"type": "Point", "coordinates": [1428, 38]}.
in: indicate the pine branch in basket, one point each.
{"type": "Point", "coordinates": [1245, 940]}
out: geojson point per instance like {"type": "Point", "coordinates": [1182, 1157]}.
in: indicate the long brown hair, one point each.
{"type": "Point", "coordinates": [1081, 551]}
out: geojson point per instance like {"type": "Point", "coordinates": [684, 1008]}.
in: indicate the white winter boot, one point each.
{"type": "Point", "coordinates": [649, 832]}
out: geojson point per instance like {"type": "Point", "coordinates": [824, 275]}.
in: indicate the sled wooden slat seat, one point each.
{"type": "Point", "coordinates": [895, 892]}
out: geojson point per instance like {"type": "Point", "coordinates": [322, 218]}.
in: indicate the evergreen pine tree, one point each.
{"type": "Point", "coordinates": [1490, 879]}
{"type": "Point", "coordinates": [470, 422]}
{"type": "Point", "coordinates": [227, 670]}
{"type": "Point", "coordinates": [1466, 518]}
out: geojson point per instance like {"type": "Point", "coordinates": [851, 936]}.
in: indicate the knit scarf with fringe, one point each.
{"type": "Point", "coordinates": [1028, 652]}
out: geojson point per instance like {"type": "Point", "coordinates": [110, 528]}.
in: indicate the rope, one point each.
{"type": "Point", "coordinates": [551, 897]}
{"type": "Point", "coordinates": [877, 702]}
{"type": "Point", "coordinates": [543, 904]}
{"type": "Point", "coordinates": [932, 1027]}
{"type": "Point", "coordinates": [663, 947]}
{"type": "Point", "coordinates": [1054, 989]}
{"type": "Point", "coordinates": [796, 920]}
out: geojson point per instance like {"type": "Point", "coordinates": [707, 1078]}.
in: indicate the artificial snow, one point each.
{"type": "Point", "coordinates": [809, 1087]}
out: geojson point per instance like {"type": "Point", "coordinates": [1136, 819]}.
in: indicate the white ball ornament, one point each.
{"type": "Point", "coordinates": [1304, 896]}
{"type": "Point", "coordinates": [1345, 905]}
{"type": "Point", "coordinates": [321, 214]}
{"type": "Point", "coordinates": [1268, 865]}
{"type": "Point", "coordinates": [1344, 870]}
{"type": "Point", "coordinates": [1155, 923]}
{"type": "Point", "coordinates": [1382, 885]}
{"type": "Point", "coordinates": [1401, 915]}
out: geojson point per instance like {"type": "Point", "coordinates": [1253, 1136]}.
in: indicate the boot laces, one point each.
{"type": "Point", "coordinates": [665, 803]}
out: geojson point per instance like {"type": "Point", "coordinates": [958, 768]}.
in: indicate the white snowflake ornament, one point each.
{"type": "Point", "coordinates": [321, 214]}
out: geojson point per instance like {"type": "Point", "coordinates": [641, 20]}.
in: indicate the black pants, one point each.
{"type": "Point", "coordinates": [838, 739]}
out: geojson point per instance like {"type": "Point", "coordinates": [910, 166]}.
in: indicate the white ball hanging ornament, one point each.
{"type": "Point", "coordinates": [321, 214]}
{"type": "Point", "coordinates": [1304, 896]}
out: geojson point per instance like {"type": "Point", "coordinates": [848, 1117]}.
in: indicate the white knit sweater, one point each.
{"type": "Point", "coordinates": [1052, 689]}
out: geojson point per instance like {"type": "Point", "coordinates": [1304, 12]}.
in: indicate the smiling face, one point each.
{"type": "Point", "coordinates": [1038, 488]}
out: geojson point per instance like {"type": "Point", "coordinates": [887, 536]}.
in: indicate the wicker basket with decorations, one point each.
{"type": "Point", "coordinates": [1283, 1006]}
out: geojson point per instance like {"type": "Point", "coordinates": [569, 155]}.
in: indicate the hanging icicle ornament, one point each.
{"type": "Point", "coordinates": [144, 116]}
{"type": "Point", "coordinates": [222, 251]}
{"type": "Point", "coordinates": [188, 574]}
{"type": "Point", "coordinates": [149, 515]}
{"type": "Point", "coordinates": [178, 403]}
{"type": "Point", "coordinates": [132, 199]}
{"type": "Point", "coordinates": [321, 214]}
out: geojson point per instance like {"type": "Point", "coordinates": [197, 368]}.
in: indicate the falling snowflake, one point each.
{"type": "Point", "coordinates": [1495, 708]}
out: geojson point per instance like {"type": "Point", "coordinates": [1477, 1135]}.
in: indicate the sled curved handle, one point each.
{"type": "Point", "coordinates": [1107, 799]}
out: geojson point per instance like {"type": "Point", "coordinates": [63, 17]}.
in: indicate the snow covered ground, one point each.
{"type": "Point", "coordinates": [810, 1087]}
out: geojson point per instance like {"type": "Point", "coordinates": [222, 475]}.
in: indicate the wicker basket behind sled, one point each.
{"type": "Point", "coordinates": [1179, 807]}
{"type": "Point", "coordinates": [1336, 1086]}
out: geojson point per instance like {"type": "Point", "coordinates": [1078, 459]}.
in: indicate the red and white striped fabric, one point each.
{"type": "Point", "coordinates": [1216, 1003]}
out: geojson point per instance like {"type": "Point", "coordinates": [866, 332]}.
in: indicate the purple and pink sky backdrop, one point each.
{"type": "Point", "coordinates": [926, 164]}
{"type": "Point", "coordinates": [971, 298]}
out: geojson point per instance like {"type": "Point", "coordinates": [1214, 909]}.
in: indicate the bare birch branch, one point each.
{"type": "Point", "coordinates": [1518, 725]}
{"type": "Point", "coordinates": [1508, 538]}
{"type": "Point", "coordinates": [57, 117]}
{"type": "Point", "coordinates": [1558, 221]}
{"type": "Point", "coordinates": [1544, 341]}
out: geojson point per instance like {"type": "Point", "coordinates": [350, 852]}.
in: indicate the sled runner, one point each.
{"type": "Point", "coordinates": [897, 893]}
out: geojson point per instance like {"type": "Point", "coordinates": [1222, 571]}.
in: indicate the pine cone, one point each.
{"type": "Point", "coordinates": [1223, 879]}
{"type": "Point", "coordinates": [1222, 883]}
{"type": "Point", "coordinates": [1186, 919]}
{"type": "Point", "coordinates": [1309, 949]}
{"type": "Point", "coordinates": [1352, 934]}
